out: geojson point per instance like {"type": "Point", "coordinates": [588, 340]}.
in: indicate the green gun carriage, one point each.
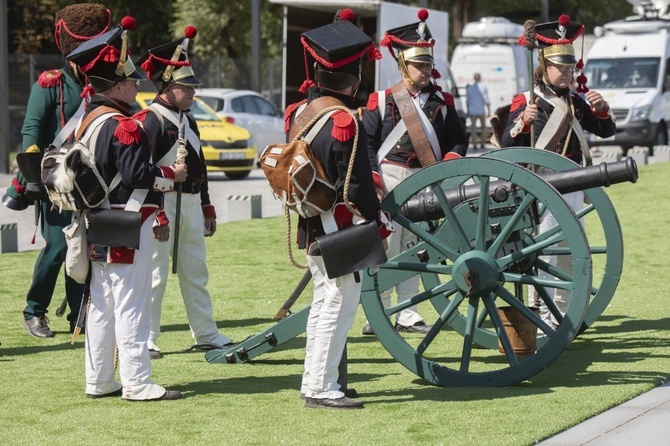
{"type": "Point", "coordinates": [479, 254]}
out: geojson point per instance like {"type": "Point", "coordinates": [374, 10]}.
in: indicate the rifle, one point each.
{"type": "Point", "coordinates": [83, 309]}
{"type": "Point", "coordinates": [530, 43]}
{"type": "Point", "coordinates": [181, 157]}
{"type": "Point", "coordinates": [285, 309]}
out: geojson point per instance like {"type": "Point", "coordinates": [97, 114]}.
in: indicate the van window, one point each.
{"type": "Point", "coordinates": [623, 73]}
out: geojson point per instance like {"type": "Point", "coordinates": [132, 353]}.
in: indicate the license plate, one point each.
{"type": "Point", "coordinates": [224, 156]}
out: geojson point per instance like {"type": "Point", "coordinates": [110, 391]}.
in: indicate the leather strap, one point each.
{"type": "Point", "coordinates": [415, 130]}
{"type": "Point", "coordinates": [555, 129]}
{"type": "Point", "coordinates": [311, 110]}
{"type": "Point", "coordinates": [92, 117]}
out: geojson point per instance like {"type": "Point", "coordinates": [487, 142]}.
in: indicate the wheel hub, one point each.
{"type": "Point", "coordinates": [476, 273]}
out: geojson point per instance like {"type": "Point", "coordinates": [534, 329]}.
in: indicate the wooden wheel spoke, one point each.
{"type": "Point", "coordinates": [468, 338]}
{"type": "Point", "coordinates": [510, 225]}
{"type": "Point", "coordinates": [585, 211]}
{"type": "Point", "coordinates": [483, 214]}
{"type": "Point", "coordinates": [439, 323]}
{"type": "Point", "coordinates": [450, 218]}
{"type": "Point", "coordinates": [447, 289]}
{"type": "Point", "coordinates": [492, 309]}
{"type": "Point", "coordinates": [519, 306]}
{"type": "Point", "coordinates": [426, 236]}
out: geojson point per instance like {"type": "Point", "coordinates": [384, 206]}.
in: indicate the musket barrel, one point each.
{"type": "Point", "coordinates": [425, 206]}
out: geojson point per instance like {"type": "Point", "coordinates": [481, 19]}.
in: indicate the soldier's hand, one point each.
{"type": "Point", "coordinates": [596, 100]}
{"type": "Point", "coordinates": [162, 233]}
{"type": "Point", "coordinates": [530, 113]}
{"type": "Point", "coordinates": [210, 226]}
{"type": "Point", "coordinates": [179, 172]}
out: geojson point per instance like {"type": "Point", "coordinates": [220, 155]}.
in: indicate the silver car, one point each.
{"type": "Point", "coordinates": [247, 109]}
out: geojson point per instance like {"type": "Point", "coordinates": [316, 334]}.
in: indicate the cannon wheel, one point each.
{"type": "Point", "coordinates": [611, 247]}
{"type": "Point", "coordinates": [461, 273]}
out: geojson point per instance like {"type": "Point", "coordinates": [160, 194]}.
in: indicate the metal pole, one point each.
{"type": "Point", "coordinates": [545, 10]}
{"type": "Point", "coordinates": [256, 45]}
{"type": "Point", "coordinates": [4, 90]}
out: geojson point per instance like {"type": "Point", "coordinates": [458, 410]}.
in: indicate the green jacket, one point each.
{"type": "Point", "coordinates": [44, 116]}
{"type": "Point", "coordinates": [54, 99]}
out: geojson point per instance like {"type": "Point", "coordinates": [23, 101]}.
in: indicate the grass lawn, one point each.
{"type": "Point", "coordinates": [625, 353]}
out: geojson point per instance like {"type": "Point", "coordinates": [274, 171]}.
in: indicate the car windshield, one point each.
{"type": "Point", "coordinates": [622, 73]}
{"type": "Point", "coordinates": [202, 113]}
{"type": "Point", "coordinates": [198, 111]}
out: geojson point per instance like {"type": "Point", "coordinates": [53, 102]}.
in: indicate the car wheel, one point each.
{"type": "Point", "coordinates": [661, 138]}
{"type": "Point", "coordinates": [237, 175]}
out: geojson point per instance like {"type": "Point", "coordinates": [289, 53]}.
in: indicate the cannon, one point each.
{"type": "Point", "coordinates": [479, 253]}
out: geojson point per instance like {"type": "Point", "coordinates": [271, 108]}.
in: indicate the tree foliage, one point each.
{"type": "Point", "coordinates": [224, 30]}
{"type": "Point", "coordinates": [224, 27]}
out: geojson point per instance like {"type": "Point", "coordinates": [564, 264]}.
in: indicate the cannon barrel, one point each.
{"type": "Point", "coordinates": [425, 206]}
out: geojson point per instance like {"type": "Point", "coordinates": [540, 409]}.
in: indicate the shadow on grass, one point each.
{"type": "Point", "coordinates": [231, 323]}
{"type": "Point", "coordinates": [32, 349]}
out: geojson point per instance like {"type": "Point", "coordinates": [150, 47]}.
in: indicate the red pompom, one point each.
{"type": "Point", "coordinates": [347, 14]}
{"type": "Point", "coordinates": [87, 92]}
{"type": "Point", "coordinates": [423, 15]}
{"type": "Point", "coordinates": [305, 86]}
{"type": "Point", "coordinates": [564, 20]}
{"type": "Point", "coordinates": [580, 64]}
{"type": "Point", "coordinates": [581, 79]}
{"type": "Point", "coordinates": [190, 31]}
{"type": "Point", "coordinates": [128, 23]}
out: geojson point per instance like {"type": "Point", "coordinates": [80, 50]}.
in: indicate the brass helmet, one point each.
{"type": "Point", "coordinates": [413, 43]}
{"type": "Point", "coordinates": [168, 63]}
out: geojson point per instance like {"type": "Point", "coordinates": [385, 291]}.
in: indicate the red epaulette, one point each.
{"type": "Point", "coordinates": [344, 127]}
{"type": "Point", "coordinates": [142, 115]}
{"type": "Point", "coordinates": [373, 101]}
{"type": "Point", "coordinates": [518, 102]}
{"type": "Point", "coordinates": [289, 113]}
{"type": "Point", "coordinates": [50, 78]}
{"type": "Point", "coordinates": [448, 98]}
{"type": "Point", "coordinates": [127, 132]}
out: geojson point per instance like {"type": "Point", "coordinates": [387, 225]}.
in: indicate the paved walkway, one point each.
{"type": "Point", "coordinates": [644, 420]}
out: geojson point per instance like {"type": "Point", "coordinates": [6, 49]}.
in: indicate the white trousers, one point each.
{"type": "Point", "coordinates": [563, 262]}
{"type": "Point", "coordinates": [119, 314]}
{"type": "Point", "coordinates": [332, 314]}
{"type": "Point", "coordinates": [191, 271]}
{"type": "Point", "coordinates": [398, 242]}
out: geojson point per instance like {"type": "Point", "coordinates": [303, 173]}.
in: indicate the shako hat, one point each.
{"type": "Point", "coordinates": [555, 45]}
{"type": "Point", "coordinates": [168, 63]}
{"type": "Point", "coordinates": [78, 23]}
{"type": "Point", "coordinates": [413, 42]}
{"type": "Point", "coordinates": [337, 49]}
{"type": "Point", "coordinates": [105, 59]}
{"type": "Point", "coordinates": [554, 40]}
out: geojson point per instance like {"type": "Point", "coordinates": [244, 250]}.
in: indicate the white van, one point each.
{"type": "Point", "coordinates": [628, 65]}
{"type": "Point", "coordinates": [489, 47]}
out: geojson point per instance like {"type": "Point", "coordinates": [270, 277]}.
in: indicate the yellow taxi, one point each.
{"type": "Point", "coordinates": [228, 148]}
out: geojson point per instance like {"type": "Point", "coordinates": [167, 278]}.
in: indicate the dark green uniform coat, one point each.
{"type": "Point", "coordinates": [54, 98]}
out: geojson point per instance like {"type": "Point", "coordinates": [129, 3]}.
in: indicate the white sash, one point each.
{"type": "Point", "coordinates": [191, 137]}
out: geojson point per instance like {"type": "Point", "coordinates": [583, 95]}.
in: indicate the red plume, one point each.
{"type": "Point", "coordinates": [128, 23]}
{"type": "Point", "coordinates": [347, 14]}
{"type": "Point", "coordinates": [305, 86]}
{"type": "Point", "coordinates": [423, 15]}
{"type": "Point", "coordinates": [190, 32]}
{"type": "Point", "coordinates": [564, 20]}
